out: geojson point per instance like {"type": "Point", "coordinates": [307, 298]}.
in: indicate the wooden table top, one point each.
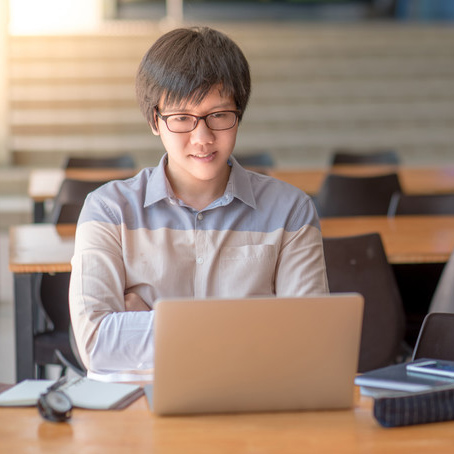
{"type": "Point", "coordinates": [136, 429]}
{"type": "Point", "coordinates": [414, 180]}
{"type": "Point", "coordinates": [41, 248]}
{"type": "Point", "coordinates": [38, 248]}
{"type": "Point", "coordinates": [406, 239]}
{"type": "Point", "coordinates": [44, 183]}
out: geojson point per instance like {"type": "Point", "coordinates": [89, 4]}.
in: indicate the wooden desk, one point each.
{"type": "Point", "coordinates": [34, 249]}
{"type": "Point", "coordinates": [414, 180]}
{"type": "Point", "coordinates": [136, 429]}
{"type": "Point", "coordinates": [406, 239]}
{"type": "Point", "coordinates": [44, 183]}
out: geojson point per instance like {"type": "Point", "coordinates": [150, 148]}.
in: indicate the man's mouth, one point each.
{"type": "Point", "coordinates": [203, 156]}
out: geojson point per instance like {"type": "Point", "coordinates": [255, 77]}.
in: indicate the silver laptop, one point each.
{"type": "Point", "coordinates": [256, 354]}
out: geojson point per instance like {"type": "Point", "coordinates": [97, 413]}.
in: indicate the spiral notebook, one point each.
{"type": "Point", "coordinates": [83, 392]}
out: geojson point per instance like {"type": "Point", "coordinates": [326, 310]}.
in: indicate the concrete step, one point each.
{"type": "Point", "coordinates": [315, 87]}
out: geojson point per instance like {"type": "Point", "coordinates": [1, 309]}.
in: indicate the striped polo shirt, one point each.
{"type": "Point", "coordinates": [261, 238]}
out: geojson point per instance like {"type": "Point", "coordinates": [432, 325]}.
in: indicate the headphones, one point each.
{"type": "Point", "coordinates": [55, 405]}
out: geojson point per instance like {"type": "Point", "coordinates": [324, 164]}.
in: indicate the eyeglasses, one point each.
{"type": "Point", "coordinates": [217, 121]}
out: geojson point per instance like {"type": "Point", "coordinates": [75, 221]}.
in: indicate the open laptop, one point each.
{"type": "Point", "coordinates": [256, 354]}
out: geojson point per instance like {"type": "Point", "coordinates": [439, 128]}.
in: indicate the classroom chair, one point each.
{"type": "Point", "coordinates": [69, 200]}
{"type": "Point", "coordinates": [436, 337]}
{"type": "Point", "coordinates": [124, 161]}
{"type": "Point", "coordinates": [359, 264]}
{"type": "Point", "coordinates": [421, 204]}
{"type": "Point", "coordinates": [443, 297]}
{"type": "Point", "coordinates": [52, 336]}
{"type": "Point", "coordinates": [74, 361]}
{"type": "Point", "coordinates": [342, 195]}
{"type": "Point", "coordinates": [53, 297]}
{"type": "Point", "coordinates": [349, 156]}
{"type": "Point", "coordinates": [255, 159]}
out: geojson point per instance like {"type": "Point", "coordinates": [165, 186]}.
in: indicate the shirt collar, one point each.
{"type": "Point", "coordinates": [239, 185]}
{"type": "Point", "coordinates": [158, 187]}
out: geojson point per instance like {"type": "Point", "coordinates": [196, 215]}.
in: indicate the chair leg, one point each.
{"type": "Point", "coordinates": [40, 372]}
{"type": "Point", "coordinates": [63, 371]}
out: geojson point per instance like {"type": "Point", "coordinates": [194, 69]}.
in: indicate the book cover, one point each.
{"type": "Point", "coordinates": [396, 378]}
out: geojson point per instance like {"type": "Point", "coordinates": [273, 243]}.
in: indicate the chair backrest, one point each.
{"type": "Point", "coordinates": [53, 293]}
{"type": "Point", "coordinates": [54, 299]}
{"type": "Point", "coordinates": [75, 350]}
{"type": "Point", "coordinates": [257, 159]}
{"type": "Point", "coordinates": [359, 264]}
{"type": "Point", "coordinates": [124, 161]}
{"type": "Point", "coordinates": [432, 204]}
{"type": "Point", "coordinates": [443, 297]}
{"type": "Point", "coordinates": [342, 195]}
{"type": "Point", "coordinates": [436, 337]}
{"type": "Point", "coordinates": [344, 156]}
{"type": "Point", "coordinates": [69, 200]}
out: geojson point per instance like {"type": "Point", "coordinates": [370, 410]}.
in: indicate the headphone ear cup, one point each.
{"type": "Point", "coordinates": [55, 406]}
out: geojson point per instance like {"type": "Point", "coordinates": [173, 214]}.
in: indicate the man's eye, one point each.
{"type": "Point", "coordinates": [181, 118]}
{"type": "Point", "coordinates": [218, 115]}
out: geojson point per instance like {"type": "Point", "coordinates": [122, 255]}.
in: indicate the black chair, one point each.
{"type": "Point", "coordinates": [414, 204]}
{"type": "Point", "coordinates": [344, 156]}
{"type": "Point", "coordinates": [124, 161]}
{"type": "Point", "coordinates": [69, 200]}
{"type": "Point", "coordinates": [421, 285]}
{"type": "Point", "coordinates": [342, 195]}
{"type": "Point", "coordinates": [52, 340]}
{"type": "Point", "coordinates": [436, 337]}
{"type": "Point", "coordinates": [261, 159]}
{"type": "Point", "coordinates": [359, 264]}
{"type": "Point", "coordinates": [73, 362]}
{"type": "Point", "coordinates": [443, 297]}
{"type": "Point", "coordinates": [53, 296]}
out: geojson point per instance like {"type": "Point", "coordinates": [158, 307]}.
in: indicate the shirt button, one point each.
{"type": "Point", "coordinates": [200, 216]}
{"type": "Point", "coordinates": [199, 260]}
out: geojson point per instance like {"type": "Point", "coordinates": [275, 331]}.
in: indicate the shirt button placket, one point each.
{"type": "Point", "coordinates": [199, 247]}
{"type": "Point", "coordinates": [199, 256]}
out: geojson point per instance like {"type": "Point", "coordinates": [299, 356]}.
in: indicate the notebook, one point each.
{"type": "Point", "coordinates": [256, 354]}
{"type": "Point", "coordinates": [396, 380]}
{"type": "Point", "coordinates": [83, 392]}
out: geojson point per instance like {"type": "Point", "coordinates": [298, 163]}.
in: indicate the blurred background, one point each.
{"type": "Point", "coordinates": [327, 74]}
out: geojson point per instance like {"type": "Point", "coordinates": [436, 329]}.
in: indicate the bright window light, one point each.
{"type": "Point", "coordinates": [34, 17]}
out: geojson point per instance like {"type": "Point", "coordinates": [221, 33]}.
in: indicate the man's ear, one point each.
{"type": "Point", "coordinates": [154, 127]}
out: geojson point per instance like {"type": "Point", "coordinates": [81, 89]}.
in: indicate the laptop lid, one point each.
{"type": "Point", "coordinates": [256, 354]}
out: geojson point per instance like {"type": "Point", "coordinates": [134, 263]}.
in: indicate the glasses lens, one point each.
{"type": "Point", "coordinates": [181, 123]}
{"type": "Point", "coordinates": [221, 120]}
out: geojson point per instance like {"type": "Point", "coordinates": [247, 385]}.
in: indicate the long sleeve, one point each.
{"type": "Point", "coordinates": [109, 338]}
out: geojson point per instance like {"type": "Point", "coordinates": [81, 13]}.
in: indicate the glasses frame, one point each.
{"type": "Point", "coordinates": [164, 118]}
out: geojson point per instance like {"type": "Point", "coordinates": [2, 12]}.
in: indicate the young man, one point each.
{"type": "Point", "coordinates": [198, 225]}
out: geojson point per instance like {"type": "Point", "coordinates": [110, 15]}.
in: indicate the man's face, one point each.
{"type": "Point", "coordinates": [202, 154]}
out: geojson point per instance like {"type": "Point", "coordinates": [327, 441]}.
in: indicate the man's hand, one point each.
{"type": "Point", "coordinates": [134, 302]}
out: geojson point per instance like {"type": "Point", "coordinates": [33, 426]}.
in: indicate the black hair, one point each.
{"type": "Point", "coordinates": [184, 64]}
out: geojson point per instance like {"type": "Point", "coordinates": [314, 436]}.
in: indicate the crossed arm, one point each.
{"type": "Point", "coordinates": [134, 303]}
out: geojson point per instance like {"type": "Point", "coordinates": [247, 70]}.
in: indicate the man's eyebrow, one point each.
{"type": "Point", "coordinates": [185, 109]}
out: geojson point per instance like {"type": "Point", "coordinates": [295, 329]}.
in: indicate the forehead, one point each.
{"type": "Point", "coordinates": [216, 97]}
